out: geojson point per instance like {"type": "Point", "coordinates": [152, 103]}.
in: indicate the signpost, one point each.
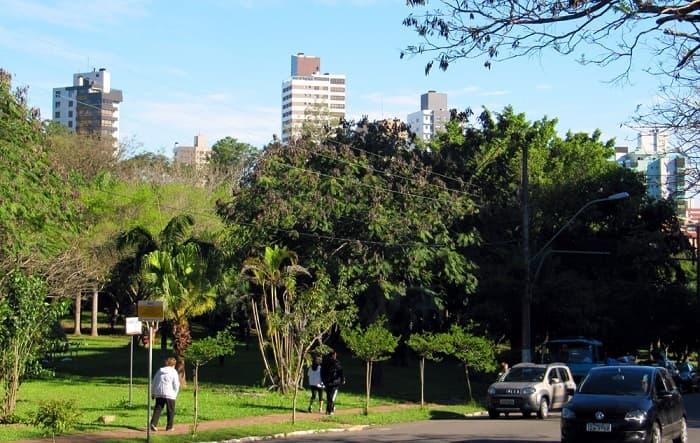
{"type": "Point", "coordinates": [133, 327]}
{"type": "Point", "coordinates": [151, 312]}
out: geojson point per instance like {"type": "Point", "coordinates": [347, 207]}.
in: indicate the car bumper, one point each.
{"type": "Point", "coordinates": [576, 432]}
{"type": "Point", "coordinates": [514, 404]}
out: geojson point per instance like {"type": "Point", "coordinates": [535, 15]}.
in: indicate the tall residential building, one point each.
{"type": "Point", "coordinates": [310, 97]}
{"type": "Point", "coordinates": [663, 169]}
{"type": "Point", "coordinates": [433, 115]}
{"type": "Point", "coordinates": [196, 155]}
{"type": "Point", "coordinates": [90, 106]}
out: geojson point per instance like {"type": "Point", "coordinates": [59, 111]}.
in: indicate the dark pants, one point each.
{"type": "Point", "coordinates": [160, 403]}
{"type": "Point", "coordinates": [331, 393]}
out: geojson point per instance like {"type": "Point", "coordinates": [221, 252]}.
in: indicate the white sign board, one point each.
{"type": "Point", "coordinates": [133, 326]}
{"type": "Point", "coordinates": [150, 310]}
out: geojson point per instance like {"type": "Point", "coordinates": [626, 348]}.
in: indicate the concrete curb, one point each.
{"type": "Point", "coordinates": [294, 434]}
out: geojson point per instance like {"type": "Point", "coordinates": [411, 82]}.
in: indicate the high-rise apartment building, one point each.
{"type": "Point", "coordinates": [196, 155]}
{"type": "Point", "coordinates": [90, 106]}
{"type": "Point", "coordinates": [663, 169]}
{"type": "Point", "coordinates": [309, 97]}
{"type": "Point", "coordinates": [433, 115]}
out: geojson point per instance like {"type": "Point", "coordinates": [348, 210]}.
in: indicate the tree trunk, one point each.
{"type": "Point", "coordinates": [469, 385]}
{"type": "Point", "coordinates": [78, 314]}
{"type": "Point", "coordinates": [95, 300]}
{"type": "Point", "coordinates": [422, 379]}
{"type": "Point", "coordinates": [196, 397]}
{"type": "Point", "coordinates": [368, 382]}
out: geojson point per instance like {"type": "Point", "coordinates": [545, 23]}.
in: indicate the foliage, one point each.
{"type": "Point", "coordinates": [288, 319]}
{"type": "Point", "coordinates": [231, 154]}
{"type": "Point", "coordinates": [56, 416]}
{"type": "Point", "coordinates": [37, 212]}
{"type": "Point", "coordinates": [428, 346]}
{"type": "Point", "coordinates": [475, 352]}
{"type": "Point", "coordinates": [200, 352]}
{"type": "Point", "coordinates": [365, 208]}
{"type": "Point", "coordinates": [500, 31]}
{"type": "Point", "coordinates": [373, 344]}
{"type": "Point", "coordinates": [26, 319]}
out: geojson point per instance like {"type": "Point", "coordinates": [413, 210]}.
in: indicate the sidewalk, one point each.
{"type": "Point", "coordinates": [185, 428]}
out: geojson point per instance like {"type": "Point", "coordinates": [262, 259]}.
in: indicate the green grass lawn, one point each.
{"type": "Point", "coordinates": [97, 379]}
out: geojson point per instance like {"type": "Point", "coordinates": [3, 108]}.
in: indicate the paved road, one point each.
{"type": "Point", "coordinates": [478, 430]}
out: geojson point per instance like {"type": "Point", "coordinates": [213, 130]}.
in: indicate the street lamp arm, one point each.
{"type": "Point", "coordinates": [618, 196]}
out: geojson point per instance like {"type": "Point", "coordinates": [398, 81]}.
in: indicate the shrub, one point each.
{"type": "Point", "coordinates": [56, 416]}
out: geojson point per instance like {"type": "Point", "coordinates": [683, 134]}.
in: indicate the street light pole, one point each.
{"type": "Point", "coordinates": [527, 293]}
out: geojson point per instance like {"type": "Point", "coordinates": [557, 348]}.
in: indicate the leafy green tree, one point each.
{"type": "Point", "coordinates": [37, 211]}
{"type": "Point", "coordinates": [201, 352]}
{"type": "Point", "coordinates": [472, 351]}
{"type": "Point", "coordinates": [275, 275]}
{"type": "Point", "coordinates": [429, 346]}
{"type": "Point", "coordinates": [26, 319]}
{"type": "Point", "coordinates": [361, 205]}
{"type": "Point", "coordinates": [183, 279]}
{"type": "Point", "coordinates": [231, 154]}
{"type": "Point", "coordinates": [373, 344]}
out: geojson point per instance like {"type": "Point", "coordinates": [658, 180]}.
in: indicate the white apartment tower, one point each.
{"type": "Point", "coordinates": [433, 115]}
{"type": "Point", "coordinates": [310, 97]}
{"type": "Point", "coordinates": [90, 105]}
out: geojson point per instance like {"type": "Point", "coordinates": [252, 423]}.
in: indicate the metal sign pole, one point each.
{"type": "Point", "coordinates": [131, 366]}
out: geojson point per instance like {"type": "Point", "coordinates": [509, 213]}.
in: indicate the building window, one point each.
{"type": "Point", "coordinates": [57, 94]}
{"type": "Point", "coordinates": [57, 114]}
{"type": "Point", "coordinates": [70, 114]}
{"type": "Point", "coordinates": [70, 124]}
{"type": "Point", "coordinates": [70, 103]}
{"type": "Point", "coordinates": [57, 105]}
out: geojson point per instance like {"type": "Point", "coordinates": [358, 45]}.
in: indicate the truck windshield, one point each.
{"type": "Point", "coordinates": [571, 352]}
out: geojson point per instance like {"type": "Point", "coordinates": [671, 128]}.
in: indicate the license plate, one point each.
{"type": "Point", "coordinates": [598, 427]}
{"type": "Point", "coordinates": [507, 401]}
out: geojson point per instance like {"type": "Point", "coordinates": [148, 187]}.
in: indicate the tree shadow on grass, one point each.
{"type": "Point", "coordinates": [446, 415]}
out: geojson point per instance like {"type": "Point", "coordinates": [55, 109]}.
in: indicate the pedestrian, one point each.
{"type": "Point", "coordinates": [315, 383]}
{"type": "Point", "coordinates": [164, 389]}
{"type": "Point", "coordinates": [503, 371]}
{"type": "Point", "coordinates": [332, 377]}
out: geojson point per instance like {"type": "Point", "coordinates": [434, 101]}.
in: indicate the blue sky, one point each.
{"type": "Point", "coordinates": [216, 67]}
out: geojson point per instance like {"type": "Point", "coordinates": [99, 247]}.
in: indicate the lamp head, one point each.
{"type": "Point", "coordinates": [618, 196]}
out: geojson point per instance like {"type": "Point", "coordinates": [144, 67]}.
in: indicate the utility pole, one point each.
{"type": "Point", "coordinates": [526, 339]}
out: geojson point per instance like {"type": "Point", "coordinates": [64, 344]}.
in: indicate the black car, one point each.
{"type": "Point", "coordinates": [625, 403]}
{"type": "Point", "coordinates": [690, 379]}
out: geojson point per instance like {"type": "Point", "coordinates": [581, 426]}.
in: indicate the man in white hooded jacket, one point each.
{"type": "Point", "coordinates": [164, 388]}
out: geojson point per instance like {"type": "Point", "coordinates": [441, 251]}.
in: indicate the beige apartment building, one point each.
{"type": "Point", "coordinates": [196, 155]}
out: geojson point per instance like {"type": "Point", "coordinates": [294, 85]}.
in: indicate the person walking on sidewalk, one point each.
{"type": "Point", "coordinates": [164, 389]}
{"type": "Point", "coordinates": [332, 377]}
{"type": "Point", "coordinates": [315, 384]}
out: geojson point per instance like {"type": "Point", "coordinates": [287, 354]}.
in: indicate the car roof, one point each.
{"type": "Point", "coordinates": [591, 341]}
{"type": "Point", "coordinates": [539, 365]}
{"type": "Point", "coordinates": [627, 368]}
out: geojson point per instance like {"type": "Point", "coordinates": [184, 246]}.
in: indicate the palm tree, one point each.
{"type": "Point", "coordinates": [275, 274]}
{"type": "Point", "coordinates": [183, 280]}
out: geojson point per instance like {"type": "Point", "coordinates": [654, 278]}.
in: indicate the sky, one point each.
{"type": "Point", "coordinates": [216, 67]}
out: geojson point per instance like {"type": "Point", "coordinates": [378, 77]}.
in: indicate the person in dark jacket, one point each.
{"type": "Point", "coordinates": [332, 377]}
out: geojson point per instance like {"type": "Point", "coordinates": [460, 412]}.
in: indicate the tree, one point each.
{"type": "Point", "coordinates": [275, 275]}
{"type": "Point", "coordinates": [184, 280]}
{"type": "Point", "coordinates": [472, 351]}
{"type": "Point", "coordinates": [428, 346]}
{"type": "Point", "coordinates": [373, 344]}
{"type": "Point", "coordinates": [660, 36]}
{"type": "Point", "coordinates": [498, 31]}
{"type": "Point", "coordinates": [26, 319]}
{"type": "Point", "coordinates": [233, 155]}
{"type": "Point", "coordinates": [201, 352]}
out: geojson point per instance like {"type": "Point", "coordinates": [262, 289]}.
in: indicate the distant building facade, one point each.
{"type": "Point", "coordinates": [663, 169]}
{"type": "Point", "coordinates": [197, 155]}
{"type": "Point", "coordinates": [90, 105]}
{"type": "Point", "coordinates": [311, 97]}
{"type": "Point", "coordinates": [433, 115]}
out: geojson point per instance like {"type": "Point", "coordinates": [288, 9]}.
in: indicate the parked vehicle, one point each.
{"type": "Point", "coordinates": [580, 354]}
{"type": "Point", "coordinates": [690, 379]}
{"type": "Point", "coordinates": [531, 388]}
{"type": "Point", "coordinates": [625, 403]}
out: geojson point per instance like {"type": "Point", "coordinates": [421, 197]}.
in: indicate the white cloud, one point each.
{"type": "Point", "coordinates": [76, 14]}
